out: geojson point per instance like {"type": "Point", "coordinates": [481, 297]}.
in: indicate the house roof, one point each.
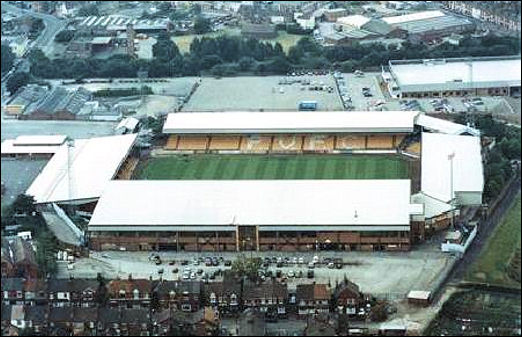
{"type": "Point", "coordinates": [36, 313]}
{"type": "Point", "coordinates": [109, 315]}
{"type": "Point", "coordinates": [72, 285]}
{"type": "Point", "coordinates": [265, 290]}
{"type": "Point", "coordinates": [143, 286]}
{"type": "Point", "coordinates": [35, 285]}
{"type": "Point", "coordinates": [85, 314]}
{"type": "Point", "coordinates": [165, 287]}
{"type": "Point", "coordinates": [60, 314]}
{"type": "Point", "coordinates": [136, 316]}
{"type": "Point", "coordinates": [23, 251]}
{"type": "Point", "coordinates": [13, 284]}
{"type": "Point", "coordinates": [346, 285]}
{"type": "Point", "coordinates": [17, 312]}
{"type": "Point", "coordinates": [310, 292]}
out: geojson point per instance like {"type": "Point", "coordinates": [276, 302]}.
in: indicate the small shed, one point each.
{"type": "Point", "coordinates": [419, 297]}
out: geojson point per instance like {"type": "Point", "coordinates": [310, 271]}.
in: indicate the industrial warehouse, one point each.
{"type": "Point", "coordinates": [237, 215]}
{"type": "Point", "coordinates": [481, 76]}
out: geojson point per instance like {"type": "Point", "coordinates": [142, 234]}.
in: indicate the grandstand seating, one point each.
{"type": "Point", "coordinates": [256, 144]}
{"type": "Point", "coordinates": [380, 142]}
{"type": "Point", "coordinates": [287, 143]}
{"type": "Point", "coordinates": [224, 142]}
{"type": "Point", "coordinates": [414, 148]}
{"type": "Point", "coordinates": [172, 143]}
{"type": "Point", "coordinates": [398, 140]}
{"type": "Point", "coordinates": [192, 143]}
{"type": "Point", "coordinates": [318, 143]}
{"type": "Point", "coordinates": [127, 168]}
{"type": "Point", "coordinates": [350, 142]}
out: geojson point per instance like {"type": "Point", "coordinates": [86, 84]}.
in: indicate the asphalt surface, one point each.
{"type": "Point", "coordinates": [52, 25]}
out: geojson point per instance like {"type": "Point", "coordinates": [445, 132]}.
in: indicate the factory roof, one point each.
{"type": "Point", "coordinates": [413, 17]}
{"type": "Point", "coordinates": [289, 122]}
{"type": "Point", "coordinates": [33, 145]}
{"type": "Point", "coordinates": [436, 165]}
{"type": "Point", "coordinates": [222, 204]}
{"type": "Point", "coordinates": [459, 73]}
{"type": "Point", "coordinates": [92, 163]}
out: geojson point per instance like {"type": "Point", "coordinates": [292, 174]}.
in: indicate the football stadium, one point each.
{"type": "Point", "coordinates": [239, 181]}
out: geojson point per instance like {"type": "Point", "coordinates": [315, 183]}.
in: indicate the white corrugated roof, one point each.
{"type": "Point", "coordinates": [354, 20]}
{"type": "Point", "coordinates": [419, 294]}
{"type": "Point", "coordinates": [505, 71]}
{"type": "Point", "coordinates": [436, 167]}
{"type": "Point", "coordinates": [129, 123]}
{"type": "Point", "coordinates": [289, 122]}
{"type": "Point", "coordinates": [444, 126]}
{"type": "Point", "coordinates": [40, 140]}
{"type": "Point", "coordinates": [8, 147]}
{"type": "Point", "coordinates": [432, 206]}
{"type": "Point", "coordinates": [412, 17]}
{"type": "Point", "coordinates": [93, 162]}
{"type": "Point", "coordinates": [253, 202]}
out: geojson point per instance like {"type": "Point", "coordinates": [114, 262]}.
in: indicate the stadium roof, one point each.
{"type": "Point", "coordinates": [289, 122]}
{"type": "Point", "coordinates": [432, 207]}
{"type": "Point", "coordinates": [33, 144]}
{"type": "Point", "coordinates": [93, 162]}
{"type": "Point", "coordinates": [128, 205]}
{"type": "Point", "coordinates": [460, 73]}
{"type": "Point", "coordinates": [436, 166]}
{"type": "Point", "coordinates": [444, 126]}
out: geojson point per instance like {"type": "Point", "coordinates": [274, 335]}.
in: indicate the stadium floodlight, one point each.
{"type": "Point", "coordinates": [450, 158]}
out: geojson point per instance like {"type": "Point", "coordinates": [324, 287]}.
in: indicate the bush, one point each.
{"type": "Point", "coordinates": [64, 36]}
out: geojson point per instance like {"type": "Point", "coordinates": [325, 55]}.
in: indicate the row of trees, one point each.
{"type": "Point", "coordinates": [227, 55]}
{"type": "Point", "coordinates": [8, 58]}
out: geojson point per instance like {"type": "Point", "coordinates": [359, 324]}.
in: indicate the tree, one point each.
{"type": "Point", "coordinates": [102, 295]}
{"type": "Point", "coordinates": [89, 10]}
{"type": "Point", "coordinates": [154, 301]}
{"type": "Point", "coordinates": [378, 313]}
{"type": "Point", "coordinates": [17, 81]}
{"type": "Point", "coordinates": [247, 267]}
{"type": "Point", "coordinates": [8, 58]}
{"type": "Point", "coordinates": [202, 25]}
{"type": "Point", "coordinates": [47, 248]}
{"type": "Point", "coordinates": [64, 36]}
{"type": "Point", "coordinates": [24, 204]}
{"type": "Point", "coordinates": [165, 49]}
{"type": "Point", "coordinates": [246, 63]}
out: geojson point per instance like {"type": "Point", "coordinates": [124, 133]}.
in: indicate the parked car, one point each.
{"type": "Point", "coordinates": [310, 274]}
{"type": "Point", "coordinates": [228, 263]}
{"type": "Point", "coordinates": [290, 273]}
{"type": "Point", "coordinates": [311, 265]}
{"type": "Point", "coordinates": [171, 263]}
{"type": "Point", "coordinates": [175, 270]}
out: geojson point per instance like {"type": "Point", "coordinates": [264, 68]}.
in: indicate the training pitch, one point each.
{"type": "Point", "coordinates": [274, 167]}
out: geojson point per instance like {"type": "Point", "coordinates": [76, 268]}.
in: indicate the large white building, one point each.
{"type": "Point", "coordinates": [454, 77]}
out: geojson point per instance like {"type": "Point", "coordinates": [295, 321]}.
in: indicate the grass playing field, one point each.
{"type": "Point", "coordinates": [274, 167]}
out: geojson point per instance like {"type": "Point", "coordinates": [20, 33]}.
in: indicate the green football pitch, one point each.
{"type": "Point", "coordinates": [339, 166]}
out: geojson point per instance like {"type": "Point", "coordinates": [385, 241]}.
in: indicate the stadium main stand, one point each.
{"type": "Point", "coordinates": [319, 143]}
{"type": "Point", "coordinates": [224, 142]}
{"type": "Point", "coordinates": [172, 143]}
{"type": "Point", "coordinates": [379, 142]}
{"type": "Point", "coordinates": [192, 143]}
{"type": "Point", "coordinates": [287, 143]}
{"type": "Point", "coordinates": [350, 142]}
{"type": "Point", "coordinates": [256, 144]}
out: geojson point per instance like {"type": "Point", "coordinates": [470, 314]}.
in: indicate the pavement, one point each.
{"type": "Point", "coordinates": [52, 26]}
{"type": "Point", "coordinates": [258, 93]}
{"type": "Point", "coordinates": [384, 274]}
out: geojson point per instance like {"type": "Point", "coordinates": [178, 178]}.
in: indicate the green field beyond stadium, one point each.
{"type": "Point", "coordinates": [274, 167]}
